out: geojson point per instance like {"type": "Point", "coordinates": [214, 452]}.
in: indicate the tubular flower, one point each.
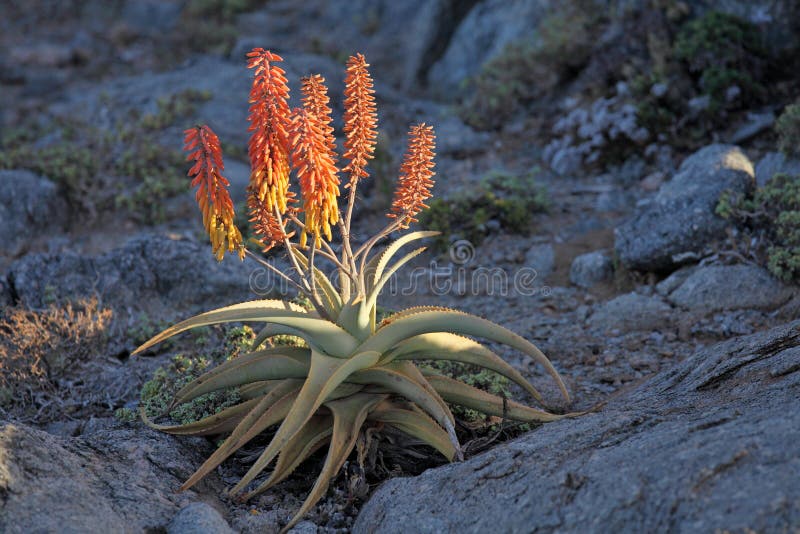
{"type": "Point", "coordinates": [360, 118]}
{"type": "Point", "coordinates": [212, 193]}
{"type": "Point", "coordinates": [315, 100]}
{"type": "Point", "coordinates": [266, 225]}
{"type": "Point", "coordinates": [314, 159]}
{"type": "Point", "coordinates": [268, 147]}
{"type": "Point", "coordinates": [416, 173]}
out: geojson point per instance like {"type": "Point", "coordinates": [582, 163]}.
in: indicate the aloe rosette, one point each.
{"type": "Point", "coordinates": [353, 372]}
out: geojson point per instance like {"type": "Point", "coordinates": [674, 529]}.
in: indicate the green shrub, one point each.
{"type": "Point", "coordinates": [788, 130]}
{"type": "Point", "coordinates": [773, 215]}
{"type": "Point", "coordinates": [510, 200]}
{"type": "Point", "coordinates": [721, 51]}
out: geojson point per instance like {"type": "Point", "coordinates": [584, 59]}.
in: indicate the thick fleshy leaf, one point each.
{"type": "Point", "coordinates": [276, 403]}
{"type": "Point", "coordinates": [218, 423]}
{"type": "Point", "coordinates": [312, 436]}
{"type": "Point", "coordinates": [269, 364]}
{"type": "Point", "coordinates": [396, 379]}
{"type": "Point", "coordinates": [325, 375]}
{"type": "Point", "coordinates": [455, 322]}
{"type": "Point", "coordinates": [374, 273]}
{"type": "Point", "coordinates": [456, 392]}
{"type": "Point", "coordinates": [318, 333]}
{"type": "Point", "coordinates": [372, 297]}
{"type": "Point", "coordinates": [330, 297]}
{"type": "Point", "coordinates": [415, 424]}
{"type": "Point", "coordinates": [349, 415]}
{"type": "Point", "coordinates": [452, 347]}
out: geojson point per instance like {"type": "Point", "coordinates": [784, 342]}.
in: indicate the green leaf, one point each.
{"type": "Point", "coordinates": [415, 424]}
{"type": "Point", "coordinates": [325, 375]}
{"type": "Point", "coordinates": [459, 393]}
{"type": "Point", "coordinates": [268, 364]}
{"type": "Point", "coordinates": [456, 322]}
{"type": "Point", "coordinates": [452, 347]}
{"type": "Point", "coordinates": [318, 333]}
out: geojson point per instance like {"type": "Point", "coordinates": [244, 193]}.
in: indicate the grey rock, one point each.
{"type": "Point", "coordinates": [457, 139]}
{"type": "Point", "coordinates": [590, 269]}
{"type": "Point", "coordinates": [304, 527]}
{"type": "Point", "coordinates": [754, 125]}
{"type": "Point", "coordinates": [483, 34]}
{"type": "Point", "coordinates": [30, 206]}
{"type": "Point", "coordinates": [157, 275]}
{"type": "Point", "coordinates": [120, 480]}
{"type": "Point", "coordinates": [730, 287]}
{"type": "Point", "coordinates": [151, 17]}
{"type": "Point", "coordinates": [631, 312]}
{"type": "Point", "coordinates": [541, 258]}
{"type": "Point", "coordinates": [199, 518]}
{"type": "Point", "coordinates": [670, 283]}
{"type": "Point", "coordinates": [681, 217]}
{"type": "Point", "coordinates": [6, 296]}
{"type": "Point", "coordinates": [567, 161]}
{"type": "Point", "coordinates": [710, 444]}
{"type": "Point", "coordinates": [775, 163]}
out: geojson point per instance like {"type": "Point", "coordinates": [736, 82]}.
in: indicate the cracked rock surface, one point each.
{"type": "Point", "coordinates": [682, 451]}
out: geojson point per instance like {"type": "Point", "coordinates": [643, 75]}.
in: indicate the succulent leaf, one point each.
{"type": "Point", "coordinates": [325, 374]}
{"type": "Point", "coordinates": [415, 424]}
{"type": "Point", "coordinates": [319, 333]}
{"type": "Point", "coordinates": [218, 423]}
{"type": "Point", "coordinates": [456, 322]}
{"type": "Point", "coordinates": [452, 347]}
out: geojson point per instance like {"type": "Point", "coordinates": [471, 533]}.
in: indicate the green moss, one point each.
{"type": "Point", "coordinates": [126, 415]}
{"type": "Point", "coordinates": [723, 50]}
{"type": "Point", "coordinates": [788, 129]}
{"type": "Point", "coordinates": [510, 200]}
{"type": "Point", "coordinates": [157, 393]}
{"type": "Point", "coordinates": [773, 215]}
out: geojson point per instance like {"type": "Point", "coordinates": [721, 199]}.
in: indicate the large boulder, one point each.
{"type": "Point", "coordinates": [709, 445]}
{"type": "Point", "coordinates": [483, 34]}
{"type": "Point", "coordinates": [730, 287]}
{"type": "Point", "coordinates": [681, 219]}
{"type": "Point", "coordinates": [160, 276]}
{"type": "Point", "coordinates": [31, 207]}
{"type": "Point", "coordinates": [116, 480]}
{"type": "Point", "coordinates": [631, 312]}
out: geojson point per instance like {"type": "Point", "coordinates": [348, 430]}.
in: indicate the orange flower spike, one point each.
{"type": "Point", "coordinates": [315, 101]}
{"type": "Point", "coordinates": [416, 173]}
{"type": "Point", "coordinates": [269, 118]}
{"type": "Point", "coordinates": [315, 162]}
{"type": "Point", "coordinates": [212, 191]}
{"type": "Point", "coordinates": [360, 118]}
{"type": "Point", "coordinates": [266, 224]}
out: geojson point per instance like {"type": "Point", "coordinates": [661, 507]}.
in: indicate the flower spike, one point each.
{"type": "Point", "coordinates": [416, 173]}
{"type": "Point", "coordinates": [360, 118]}
{"type": "Point", "coordinates": [314, 157]}
{"type": "Point", "coordinates": [268, 147]}
{"type": "Point", "coordinates": [212, 194]}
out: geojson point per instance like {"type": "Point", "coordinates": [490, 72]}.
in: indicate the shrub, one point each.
{"type": "Point", "coordinates": [510, 201]}
{"type": "Point", "coordinates": [788, 129]}
{"type": "Point", "coordinates": [772, 218]}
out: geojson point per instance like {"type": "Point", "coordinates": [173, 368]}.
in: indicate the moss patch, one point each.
{"type": "Point", "coordinates": [502, 199]}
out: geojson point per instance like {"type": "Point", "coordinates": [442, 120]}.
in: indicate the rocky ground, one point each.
{"type": "Point", "coordinates": [679, 338]}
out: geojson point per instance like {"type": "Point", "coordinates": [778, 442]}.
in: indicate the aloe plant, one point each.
{"type": "Point", "coordinates": [354, 371]}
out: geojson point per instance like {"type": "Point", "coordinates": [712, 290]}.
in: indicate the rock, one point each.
{"type": "Point", "coordinates": [590, 269]}
{"type": "Point", "coordinates": [120, 480]}
{"type": "Point", "coordinates": [631, 312]}
{"type": "Point", "coordinates": [775, 163]}
{"type": "Point", "coordinates": [151, 17]}
{"type": "Point", "coordinates": [304, 527]}
{"type": "Point", "coordinates": [652, 181]}
{"type": "Point", "coordinates": [199, 518]}
{"type": "Point", "coordinates": [730, 287]}
{"type": "Point", "coordinates": [399, 56]}
{"type": "Point", "coordinates": [708, 445]}
{"type": "Point", "coordinates": [681, 217]}
{"type": "Point", "coordinates": [542, 259]}
{"type": "Point", "coordinates": [156, 275]}
{"type": "Point", "coordinates": [754, 125]}
{"type": "Point", "coordinates": [30, 207]}
{"type": "Point", "coordinates": [457, 139]}
{"type": "Point", "coordinates": [670, 283]}
{"type": "Point", "coordinates": [484, 33]}
{"type": "Point", "coordinates": [6, 296]}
